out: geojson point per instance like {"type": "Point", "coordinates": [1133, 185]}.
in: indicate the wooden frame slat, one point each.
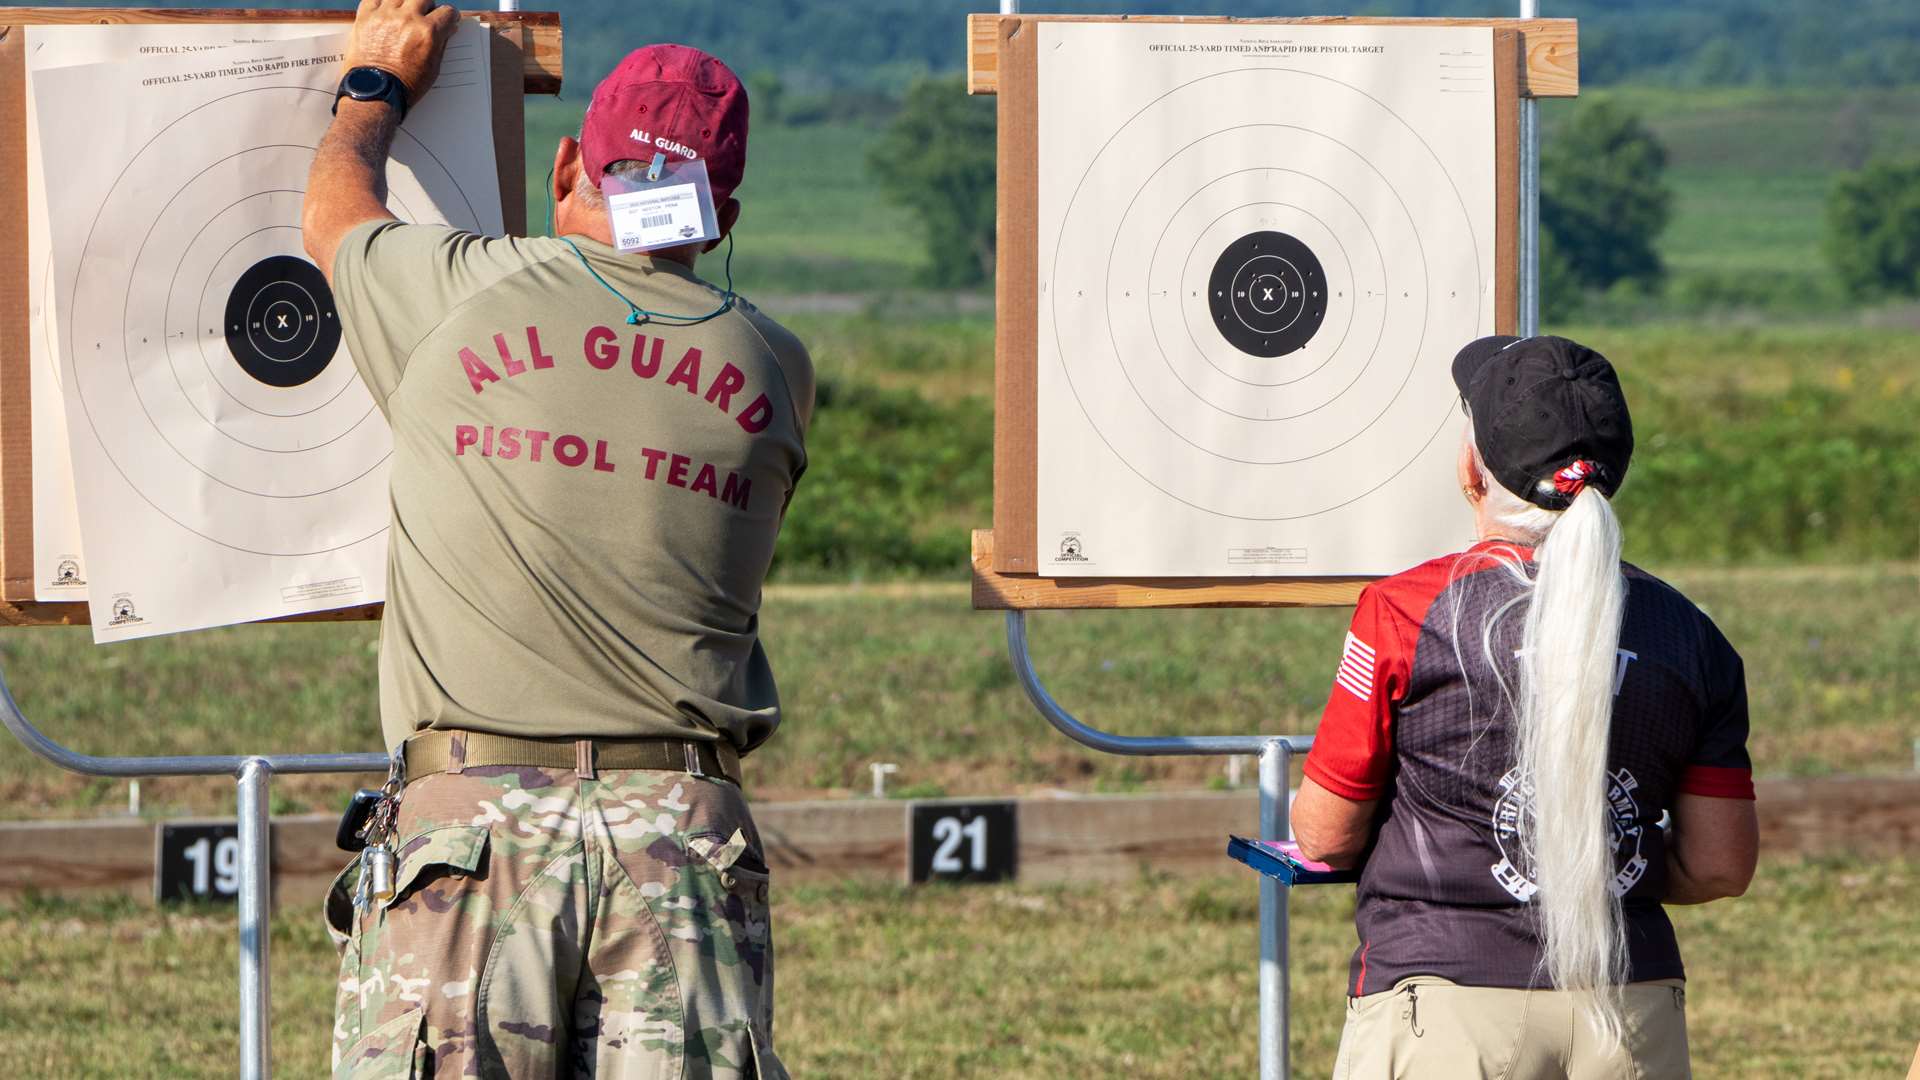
{"type": "Point", "coordinates": [16, 402]}
{"type": "Point", "coordinates": [1551, 46]}
{"type": "Point", "coordinates": [1016, 286]}
{"type": "Point", "coordinates": [995, 591]}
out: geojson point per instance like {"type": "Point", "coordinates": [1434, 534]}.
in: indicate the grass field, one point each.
{"type": "Point", "coordinates": [811, 219]}
{"type": "Point", "coordinates": [1750, 167]}
{"type": "Point", "coordinates": [1804, 977]}
{"type": "Point", "coordinates": [908, 674]}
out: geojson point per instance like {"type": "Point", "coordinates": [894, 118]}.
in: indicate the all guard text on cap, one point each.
{"type": "Point", "coordinates": [669, 99]}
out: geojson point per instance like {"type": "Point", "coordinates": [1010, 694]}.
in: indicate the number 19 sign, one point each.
{"type": "Point", "coordinates": [962, 842]}
{"type": "Point", "coordinates": [197, 862]}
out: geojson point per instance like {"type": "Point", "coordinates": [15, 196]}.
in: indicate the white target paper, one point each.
{"type": "Point", "coordinates": [229, 464]}
{"type": "Point", "coordinates": [59, 563]}
{"type": "Point", "coordinates": [1260, 247]}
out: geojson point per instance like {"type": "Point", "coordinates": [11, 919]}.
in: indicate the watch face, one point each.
{"type": "Point", "coordinates": [366, 82]}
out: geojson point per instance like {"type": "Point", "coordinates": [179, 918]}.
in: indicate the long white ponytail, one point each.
{"type": "Point", "coordinates": [1565, 718]}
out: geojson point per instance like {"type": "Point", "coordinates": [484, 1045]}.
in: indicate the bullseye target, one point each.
{"type": "Point", "coordinates": [205, 349]}
{"type": "Point", "coordinates": [280, 323]}
{"type": "Point", "coordinates": [1268, 294]}
{"type": "Point", "coordinates": [1251, 277]}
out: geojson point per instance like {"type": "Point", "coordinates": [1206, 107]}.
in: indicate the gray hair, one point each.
{"type": "Point", "coordinates": [1576, 601]}
{"type": "Point", "coordinates": [591, 194]}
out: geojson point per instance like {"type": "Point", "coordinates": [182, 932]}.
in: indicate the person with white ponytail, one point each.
{"type": "Point", "coordinates": [1530, 746]}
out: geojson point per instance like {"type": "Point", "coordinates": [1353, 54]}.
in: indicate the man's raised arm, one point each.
{"type": "Point", "coordinates": [391, 62]}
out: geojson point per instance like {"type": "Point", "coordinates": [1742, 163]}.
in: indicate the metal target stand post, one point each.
{"type": "Point", "coordinates": [254, 776]}
{"type": "Point", "coordinates": [1276, 761]}
{"type": "Point", "coordinates": [1275, 752]}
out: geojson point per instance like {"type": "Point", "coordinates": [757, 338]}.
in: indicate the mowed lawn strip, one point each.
{"type": "Point", "coordinates": [908, 674]}
{"type": "Point", "coordinates": [1153, 978]}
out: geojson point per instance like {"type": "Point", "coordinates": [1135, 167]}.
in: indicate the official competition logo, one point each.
{"type": "Point", "coordinates": [1071, 550]}
{"type": "Point", "coordinates": [1515, 870]}
{"type": "Point", "coordinates": [123, 614]}
{"type": "Point", "coordinates": [67, 575]}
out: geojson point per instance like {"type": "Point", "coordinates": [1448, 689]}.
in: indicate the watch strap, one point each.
{"type": "Point", "coordinates": [394, 95]}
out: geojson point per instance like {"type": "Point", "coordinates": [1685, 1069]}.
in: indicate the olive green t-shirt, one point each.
{"type": "Point", "coordinates": [583, 510]}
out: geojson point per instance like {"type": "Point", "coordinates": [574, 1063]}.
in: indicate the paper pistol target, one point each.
{"type": "Point", "coordinates": [206, 350]}
{"type": "Point", "coordinates": [1244, 297]}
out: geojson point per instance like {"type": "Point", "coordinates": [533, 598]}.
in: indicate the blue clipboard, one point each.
{"type": "Point", "coordinates": [1281, 859]}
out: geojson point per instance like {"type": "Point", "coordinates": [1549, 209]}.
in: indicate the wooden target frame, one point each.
{"type": "Point", "coordinates": [526, 60]}
{"type": "Point", "coordinates": [1536, 58]}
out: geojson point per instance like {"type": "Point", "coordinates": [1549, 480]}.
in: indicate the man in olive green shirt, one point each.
{"type": "Point", "coordinates": [584, 508]}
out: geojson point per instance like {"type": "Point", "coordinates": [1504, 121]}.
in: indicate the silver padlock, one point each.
{"type": "Point", "coordinates": [378, 868]}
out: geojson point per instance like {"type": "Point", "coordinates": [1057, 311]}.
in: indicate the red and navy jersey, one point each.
{"type": "Point", "coordinates": [1421, 717]}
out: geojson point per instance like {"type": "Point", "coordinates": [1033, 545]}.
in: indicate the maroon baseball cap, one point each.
{"type": "Point", "coordinates": [672, 99]}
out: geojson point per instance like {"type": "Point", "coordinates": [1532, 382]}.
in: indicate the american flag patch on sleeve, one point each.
{"type": "Point", "coordinates": [1356, 668]}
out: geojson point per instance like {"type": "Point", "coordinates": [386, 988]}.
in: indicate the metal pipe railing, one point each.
{"type": "Point", "coordinates": [1276, 758]}
{"type": "Point", "coordinates": [1136, 745]}
{"type": "Point", "coordinates": [1529, 202]}
{"type": "Point", "coordinates": [253, 773]}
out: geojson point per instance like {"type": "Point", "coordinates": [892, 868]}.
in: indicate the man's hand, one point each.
{"type": "Point", "coordinates": [405, 38]}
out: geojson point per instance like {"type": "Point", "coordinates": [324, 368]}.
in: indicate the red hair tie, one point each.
{"type": "Point", "coordinates": [1572, 480]}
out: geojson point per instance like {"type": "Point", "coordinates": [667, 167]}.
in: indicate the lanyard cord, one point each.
{"type": "Point", "coordinates": [637, 315]}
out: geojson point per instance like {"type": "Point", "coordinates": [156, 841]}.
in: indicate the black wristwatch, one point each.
{"type": "Point", "coordinates": [373, 84]}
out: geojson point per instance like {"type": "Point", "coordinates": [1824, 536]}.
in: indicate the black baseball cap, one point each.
{"type": "Point", "coordinates": [1548, 416]}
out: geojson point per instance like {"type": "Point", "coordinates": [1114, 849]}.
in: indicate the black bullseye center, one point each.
{"type": "Point", "coordinates": [281, 326]}
{"type": "Point", "coordinates": [1268, 294]}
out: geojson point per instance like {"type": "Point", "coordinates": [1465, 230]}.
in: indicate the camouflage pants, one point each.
{"type": "Point", "coordinates": [547, 924]}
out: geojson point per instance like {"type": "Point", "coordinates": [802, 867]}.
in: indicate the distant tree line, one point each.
{"type": "Point", "coordinates": [818, 45]}
{"type": "Point", "coordinates": [821, 47]}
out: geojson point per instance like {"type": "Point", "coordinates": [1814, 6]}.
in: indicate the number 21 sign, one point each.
{"type": "Point", "coordinates": [962, 842]}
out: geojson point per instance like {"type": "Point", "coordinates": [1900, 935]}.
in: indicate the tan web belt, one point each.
{"type": "Point", "coordinates": [432, 752]}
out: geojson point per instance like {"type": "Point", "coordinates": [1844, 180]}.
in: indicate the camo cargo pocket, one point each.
{"type": "Point", "coordinates": [340, 913]}
{"type": "Point", "coordinates": [436, 852]}
{"type": "Point", "coordinates": [742, 870]}
{"type": "Point", "coordinates": [396, 1050]}
{"type": "Point", "coordinates": [370, 990]}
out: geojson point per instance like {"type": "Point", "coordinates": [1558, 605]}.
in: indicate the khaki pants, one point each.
{"type": "Point", "coordinates": [1427, 1027]}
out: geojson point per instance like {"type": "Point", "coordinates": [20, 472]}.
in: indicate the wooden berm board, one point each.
{"type": "Point", "coordinates": [1531, 57]}
{"type": "Point", "coordinates": [526, 60]}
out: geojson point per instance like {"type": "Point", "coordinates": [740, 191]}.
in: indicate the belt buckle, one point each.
{"type": "Point", "coordinates": [691, 751]}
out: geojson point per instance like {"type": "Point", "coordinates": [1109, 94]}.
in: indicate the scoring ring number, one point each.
{"type": "Point", "coordinates": [1268, 294]}
{"type": "Point", "coordinates": [281, 326]}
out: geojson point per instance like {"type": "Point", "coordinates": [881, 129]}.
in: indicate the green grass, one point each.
{"type": "Point", "coordinates": [1154, 978]}
{"type": "Point", "coordinates": [1761, 129]}
{"type": "Point", "coordinates": [1739, 221]}
{"type": "Point", "coordinates": [811, 218]}
{"type": "Point", "coordinates": [908, 674]}
{"type": "Point", "coordinates": [1769, 444]}
{"type": "Point", "coordinates": [1750, 169]}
